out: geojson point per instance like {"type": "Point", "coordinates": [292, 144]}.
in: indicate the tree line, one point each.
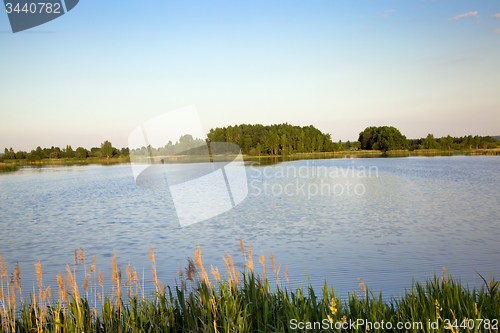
{"type": "Point", "coordinates": [449, 142]}
{"type": "Point", "coordinates": [106, 150]}
{"type": "Point", "coordinates": [278, 139]}
{"type": "Point", "coordinates": [389, 138]}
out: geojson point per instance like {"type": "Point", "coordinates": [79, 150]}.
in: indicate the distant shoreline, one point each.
{"type": "Point", "coordinates": [12, 165]}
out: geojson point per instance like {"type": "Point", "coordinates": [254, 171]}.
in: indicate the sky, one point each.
{"type": "Point", "coordinates": [106, 67]}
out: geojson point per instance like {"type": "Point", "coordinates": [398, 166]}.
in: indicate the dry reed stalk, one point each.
{"type": "Point", "coordinates": [3, 276]}
{"type": "Point", "coordinates": [443, 278]}
{"type": "Point", "coordinates": [135, 280]}
{"type": "Point", "coordinates": [62, 288]}
{"type": "Point", "coordinates": [12, 297]}
{"type": "Point", "coordinates": [215, 273]}
{"type": "Point", "coordinates": [242, 248]}
{"type": "Point", "coordinates": [116, 277]}
{"type": "Point", "coordinates": [39, 282]}
{"type": "Point", "coordinates": [101, 283]}
{"type": "Point", "coordinates": [81, 256]}
{"type": "Point", "coordinates": [362, 288]}
{"type": "Point", "coordinates": [250, 260]}
{"type": "Point", "coordinates": [129, 279]}
{"type": "Point", "coordinates": [12, 307]}
{"type": "Point", "coordinates": [158, 284]}
{"type": "Point", "coordinates": [181, 276]}
{"type": "Point", "coordinates": [3, 269]}
{"type": "Point", "coordinates": [233, 274]}
{"type": "Point", "coordinates": [15, 279]}
{"type": "Point", "coordinates": [75, 260]}
{"type": "Point", "coordinates": [191, 270]}
{"type": "Point", "coordinates": [273, 268]}
{"type": "Point", "coordinates": [286, 274]}
{"type": "Point", "coordinates": [88, 277]}
{"type": "Point", "coordinates": [72, 283]}
{"type": "Point", "coordinates": [74, 287]}
{"type": "Point", "coordinates": [203, 273]}
{"type": "Point", "coordinates": [42, 296]}
{"type": "Point", "coordinates": [262, 260]}
{"type": "Point", "coordinates": [273, 264]}
{"type": "Point", "coordinates": [153, 273]}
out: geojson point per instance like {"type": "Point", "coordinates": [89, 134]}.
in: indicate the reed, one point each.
{"type": "Point", "coordinates": [242, 301]}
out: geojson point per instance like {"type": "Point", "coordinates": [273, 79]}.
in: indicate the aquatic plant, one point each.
{"type": "Point", "coordinates": [242, 301]}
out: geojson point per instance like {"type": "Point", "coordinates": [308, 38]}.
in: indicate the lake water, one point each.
{"type": "Point", "coordinates": [386, 220]}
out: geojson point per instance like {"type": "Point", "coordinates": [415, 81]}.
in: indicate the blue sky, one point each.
{"type": "Point", "coordinates": [104, 68]}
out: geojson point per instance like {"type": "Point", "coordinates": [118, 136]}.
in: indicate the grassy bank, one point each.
{"type": "Point", "coordinates": [11, 165]}
{"type": "Point", "coordinates": [8, 168]}
{"type": "Point", "coordinates": [242, 301]}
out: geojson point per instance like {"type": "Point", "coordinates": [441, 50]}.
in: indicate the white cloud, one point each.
{"type": "Point", "coordinates": [388, 12]}
{"type": "Point", "coordinates": [496, 15]}
{"type": "Point", "coordinates": [497, 31]}
{"type": "Point", "coordinates": [463, 15]}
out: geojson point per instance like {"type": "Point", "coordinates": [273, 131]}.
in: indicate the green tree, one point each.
{"type": "Point", "coordinates": [69, 152]}
{"type": "Point", "coordinates": [382, 138]}
{"type": "Point", "coordinates": [446, 142]}
{"type": "Point", "coordinates": [430, 142]}
{"type": "Point", "coordinates": [40, 152]}
{"type": "Point", "coordinates": [107, 149]}
{"type": "Point", "coordinates": [81, 152]}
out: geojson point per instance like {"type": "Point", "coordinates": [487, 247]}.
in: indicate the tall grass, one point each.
{"type": "Point", "coordinates": [8, 168]}
{"type": "Point", "coordinates": [242, 301]}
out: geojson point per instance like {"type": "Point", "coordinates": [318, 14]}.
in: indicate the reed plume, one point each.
{"type": "Point", "coordinates": [215, 273]}
{"type": "Point", "coordinates": [273, 264]}
{"type": "Point", "coordinates": [158, 284]}
{"type": "Point", "coordinates": [62, 288]}
{"type": "Point", "coordinates": [81, 256]}
{"type": "Point", "coordinates": [273, 268]}
{"type": "Point", "coordinates": [135, 280]}
{"type": "Point", "coordinates": [262, 260]}
{"type": "Point", "coordinates": [203, 273]}
{"type": "Point", "coordinates": [3, 276]}
{"type": "Point", "coordinates": [116, 277]}
{"type": "Point", "coordinates": [101, 283]}
{"type": "Point", "coordinates": [233, 274]}
{"type": "Point", "coordinates": [42, 296]}
{"type": "Point", "coordinates": [72, 283]}
{"type": "Point", "coordinates": [191, 270]}
{"type": "Point", "coordinates": [129, 279]}
{"type": "Point", "coordinates": [15, 280]}
{"type": "Point", "coordinates": [3, 269]}
{"type": "Point", "coordinates": [181, 276]}
{"type": "Point", "coordinates": [362, 288]}
{"type": "Point", "coordinates": [286, 274]}
{"type": "Point", "coordinates": [74, 288]}
{"type": "Point", "coordinates": [250, 260]}
{"type": "Point", "coordinates": [242, 248]}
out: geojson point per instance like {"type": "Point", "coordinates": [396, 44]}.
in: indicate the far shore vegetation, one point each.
{"type": "Point", "coordinates": [257, 297]}
{"type": "Point", "coordinates": [259, 141]}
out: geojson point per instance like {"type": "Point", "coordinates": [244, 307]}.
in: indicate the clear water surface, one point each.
{"type": "Point", "coordinates": [405, 220]}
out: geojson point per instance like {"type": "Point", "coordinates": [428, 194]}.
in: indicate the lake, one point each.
{"type": "Point", "coordinates": [386, 220]}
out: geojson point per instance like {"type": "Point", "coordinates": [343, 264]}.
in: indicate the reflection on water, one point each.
{"type": "Point", "coordinates": [415, 216]}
